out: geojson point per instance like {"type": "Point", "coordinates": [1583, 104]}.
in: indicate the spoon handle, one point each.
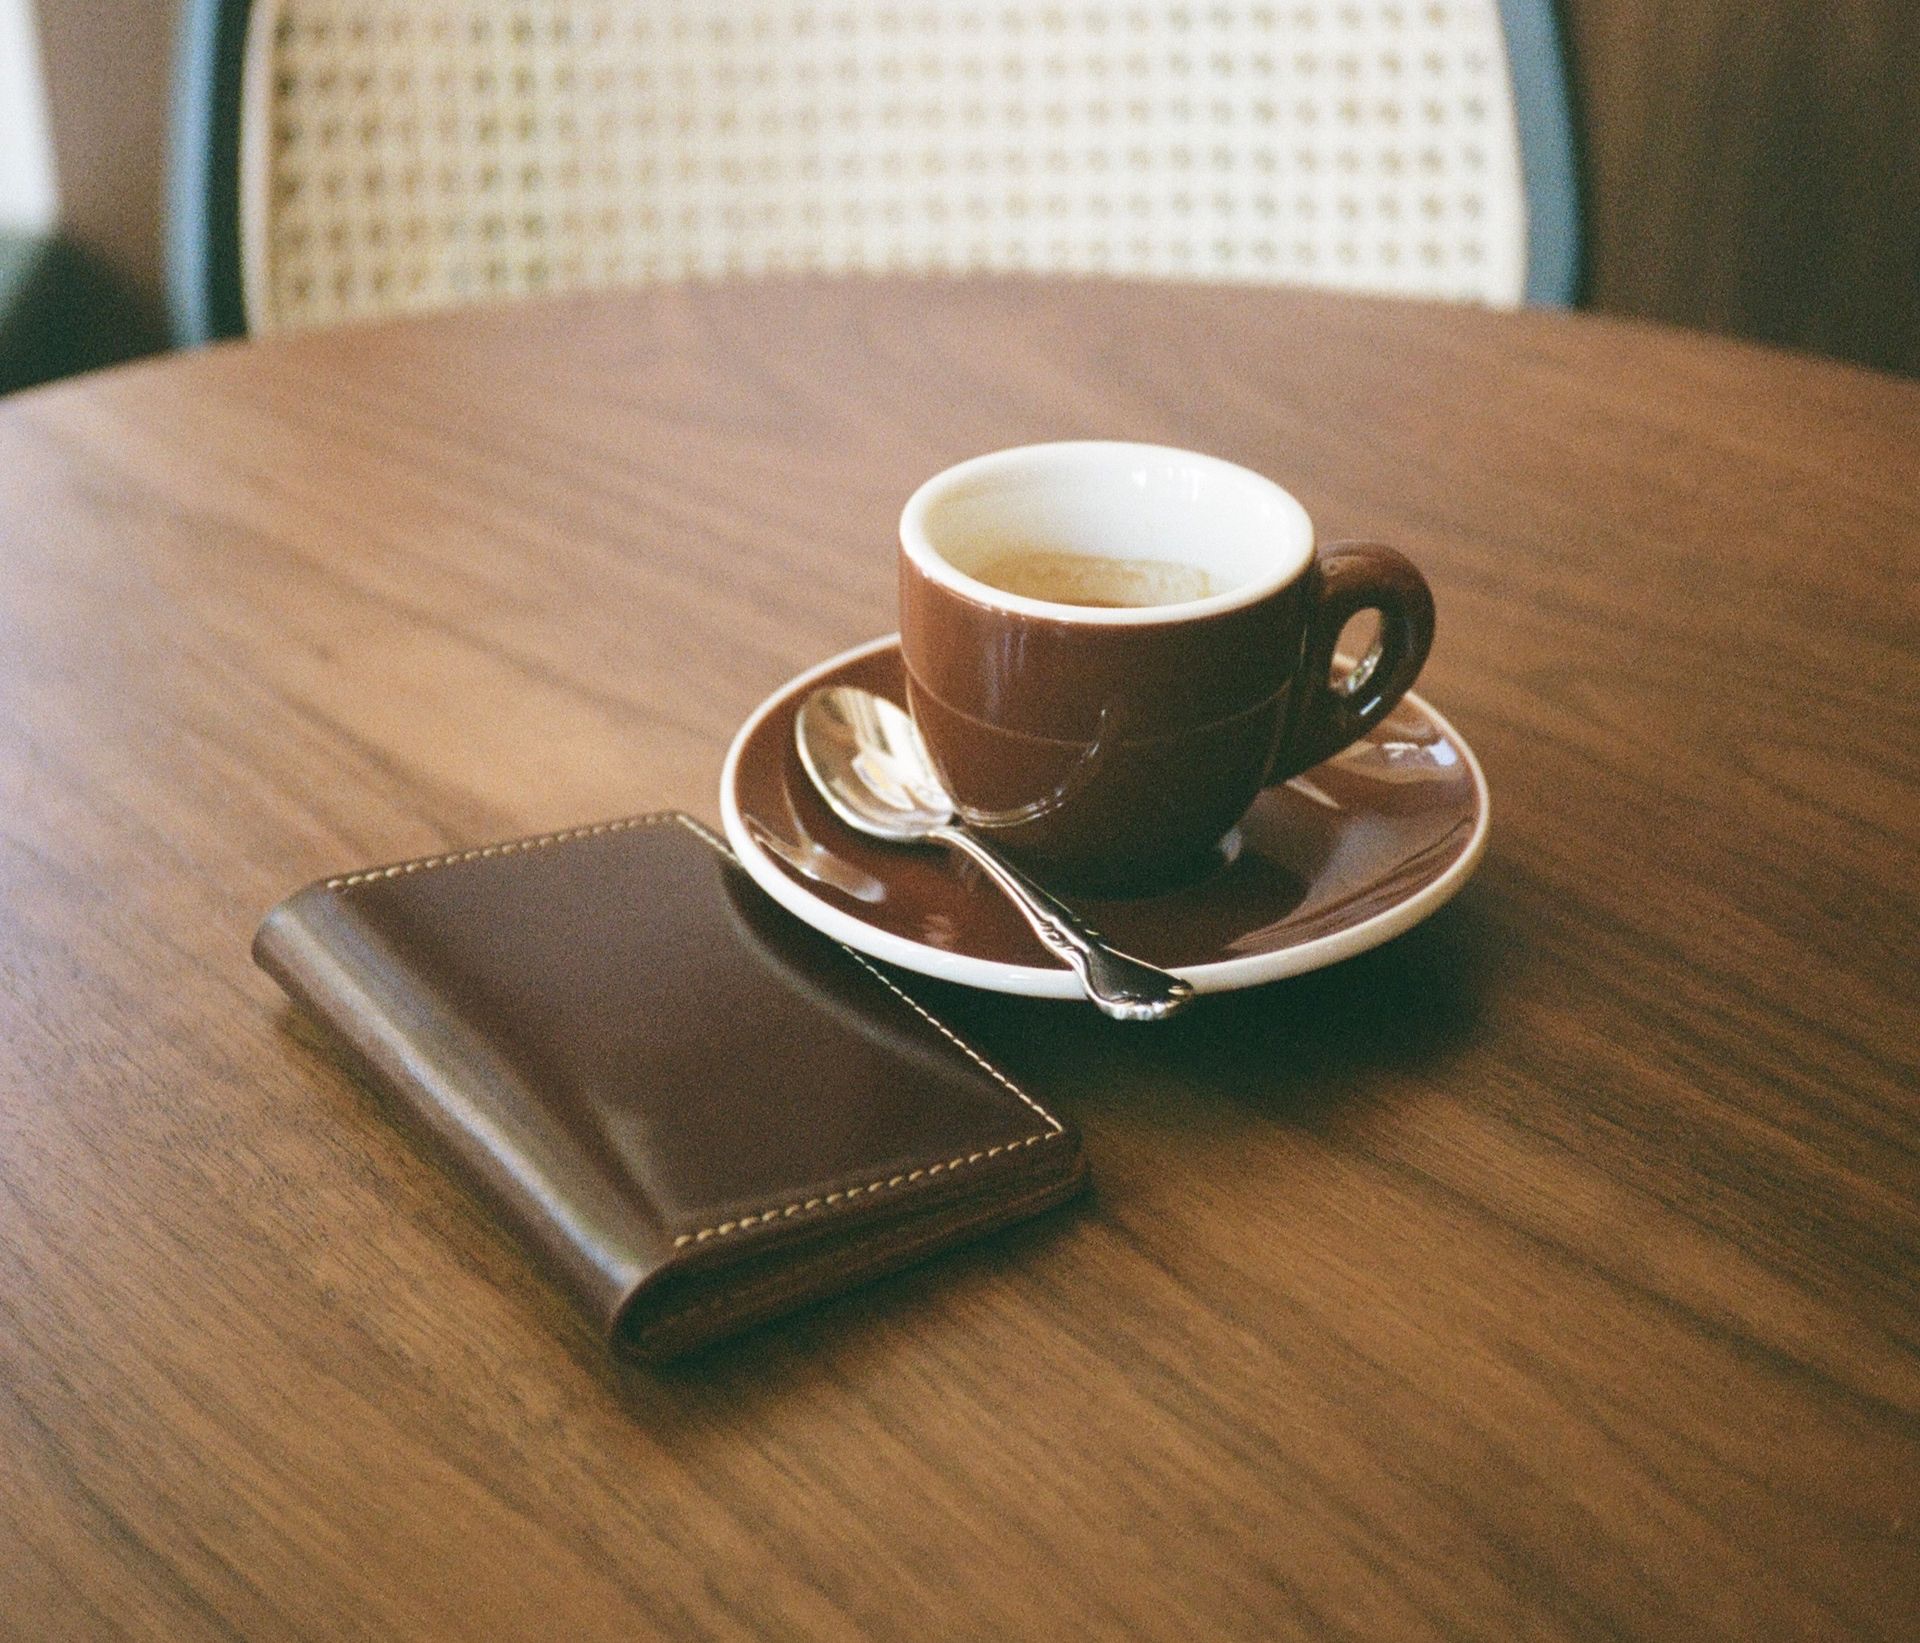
{"type": "Point", "coordinates": [1120, 986]}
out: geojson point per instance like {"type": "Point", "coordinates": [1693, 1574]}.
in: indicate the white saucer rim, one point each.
{"type": "Point", "coordinates": [1219, 976]}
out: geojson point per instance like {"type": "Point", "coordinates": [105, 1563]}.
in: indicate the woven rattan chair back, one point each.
{"type": "Point", "coordinates": [410, 154]}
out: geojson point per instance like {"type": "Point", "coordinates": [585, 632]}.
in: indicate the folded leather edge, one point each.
{"type": "Point", "coordinates": [344, 1002]}
{"type": "Point", "coordinates": [655, 1326]}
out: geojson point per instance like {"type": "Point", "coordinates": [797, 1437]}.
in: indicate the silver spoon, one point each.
{"type": "Point", "coordinates": [866, 758]}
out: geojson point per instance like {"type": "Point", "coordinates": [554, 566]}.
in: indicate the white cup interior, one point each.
{"type": "Point", "coordinates": [1112, 500]}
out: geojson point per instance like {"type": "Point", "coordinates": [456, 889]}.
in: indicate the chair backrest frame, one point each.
{"type": "Point", "coordinates": [207, 286]}
{"type": "Point", "coordinates": [1550, 159]}
{"type": "Point", "coordinates": [204, 288]}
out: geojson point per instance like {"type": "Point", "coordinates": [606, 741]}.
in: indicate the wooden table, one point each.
{"type": "Point", "coordinates": [1550, 1272]}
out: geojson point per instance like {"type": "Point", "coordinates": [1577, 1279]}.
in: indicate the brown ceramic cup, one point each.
{"type": "Point", "coordinates": [1115, 746]}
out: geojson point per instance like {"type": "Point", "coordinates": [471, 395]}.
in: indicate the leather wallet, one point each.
{"type": "Point", "coordinates": [693, 1109]}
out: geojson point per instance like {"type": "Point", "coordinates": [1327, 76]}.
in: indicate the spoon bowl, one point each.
{"type": "Point", "coordinates": [865, 757]}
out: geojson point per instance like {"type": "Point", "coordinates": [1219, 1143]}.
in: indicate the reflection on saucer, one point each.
{"type": "Point", "coordinates": [810, 861]}
{"type": "Point", "coordinates": [1324, 866]}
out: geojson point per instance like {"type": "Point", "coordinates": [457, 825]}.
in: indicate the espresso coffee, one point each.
{"type": "Point", "coordinates": [1092, 579]}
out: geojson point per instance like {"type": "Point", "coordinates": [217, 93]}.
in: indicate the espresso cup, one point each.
{"type": "Point", "coordinates": [1111, 649]}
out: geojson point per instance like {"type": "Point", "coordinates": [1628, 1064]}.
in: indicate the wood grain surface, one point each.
{"type": "Point", "coordinates": [1549, 1273]}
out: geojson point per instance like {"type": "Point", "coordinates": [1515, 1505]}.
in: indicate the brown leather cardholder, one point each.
{"type": "Point", "coordinates": [692, 1108]}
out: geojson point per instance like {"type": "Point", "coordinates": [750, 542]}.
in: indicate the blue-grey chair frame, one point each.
{"type": "Point", "coordinates": [1549, 155]}
{"type": "Point", "coordinates": [204, 287]}
{"type": "Point", "coordinates": [204, 292]}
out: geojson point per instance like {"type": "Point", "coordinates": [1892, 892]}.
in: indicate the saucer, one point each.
{"type": "Point", "coordinates": [1323, 867]}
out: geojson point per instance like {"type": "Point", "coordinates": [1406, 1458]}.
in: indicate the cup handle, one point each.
{"type": "Point", "coordinates": [1329, 715]}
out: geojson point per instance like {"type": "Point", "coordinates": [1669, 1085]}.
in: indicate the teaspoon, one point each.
{"type": "Point", "coordinates": [865, 756]}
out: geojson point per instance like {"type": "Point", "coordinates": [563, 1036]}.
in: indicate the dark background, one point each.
{"type": "Point", "coordinates": [1753, 167]}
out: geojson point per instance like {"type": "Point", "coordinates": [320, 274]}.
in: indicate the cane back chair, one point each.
{"type": "Point", "coordinates": [341, 158]}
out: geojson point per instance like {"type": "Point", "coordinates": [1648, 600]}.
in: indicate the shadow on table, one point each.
{"type": "Point", "coordinates": [1299, 1051]}
{"type": "Point", "coordinates": [1308, 1054]}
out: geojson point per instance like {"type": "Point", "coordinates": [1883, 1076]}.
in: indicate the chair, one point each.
{"type": "Point", "coordinates": [341, 158]}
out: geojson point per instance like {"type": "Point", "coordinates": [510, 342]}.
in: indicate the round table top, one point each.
{"type": "Point", "coordinates": [1549, 1272]}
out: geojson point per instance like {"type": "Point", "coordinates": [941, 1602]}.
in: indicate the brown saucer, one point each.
{"type": "Point", "coordinates": [1325, 866]}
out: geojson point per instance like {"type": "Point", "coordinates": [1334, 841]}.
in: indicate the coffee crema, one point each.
{"type": "Point", "coordinates": [1090, 579]}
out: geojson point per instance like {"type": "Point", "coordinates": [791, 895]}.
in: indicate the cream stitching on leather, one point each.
{"type": "Point", "coordinates": [834, 1199]}
{"type": "Point", "coordinates": [831, 1200]}
{"type": "Point", "coordinates": [515, 846]}
{"type": "Point", "coordinates": [945, 1031]}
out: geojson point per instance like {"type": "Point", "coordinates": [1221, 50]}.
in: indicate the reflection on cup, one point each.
{"type": "Point", "coordinates": [1111, 648]}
